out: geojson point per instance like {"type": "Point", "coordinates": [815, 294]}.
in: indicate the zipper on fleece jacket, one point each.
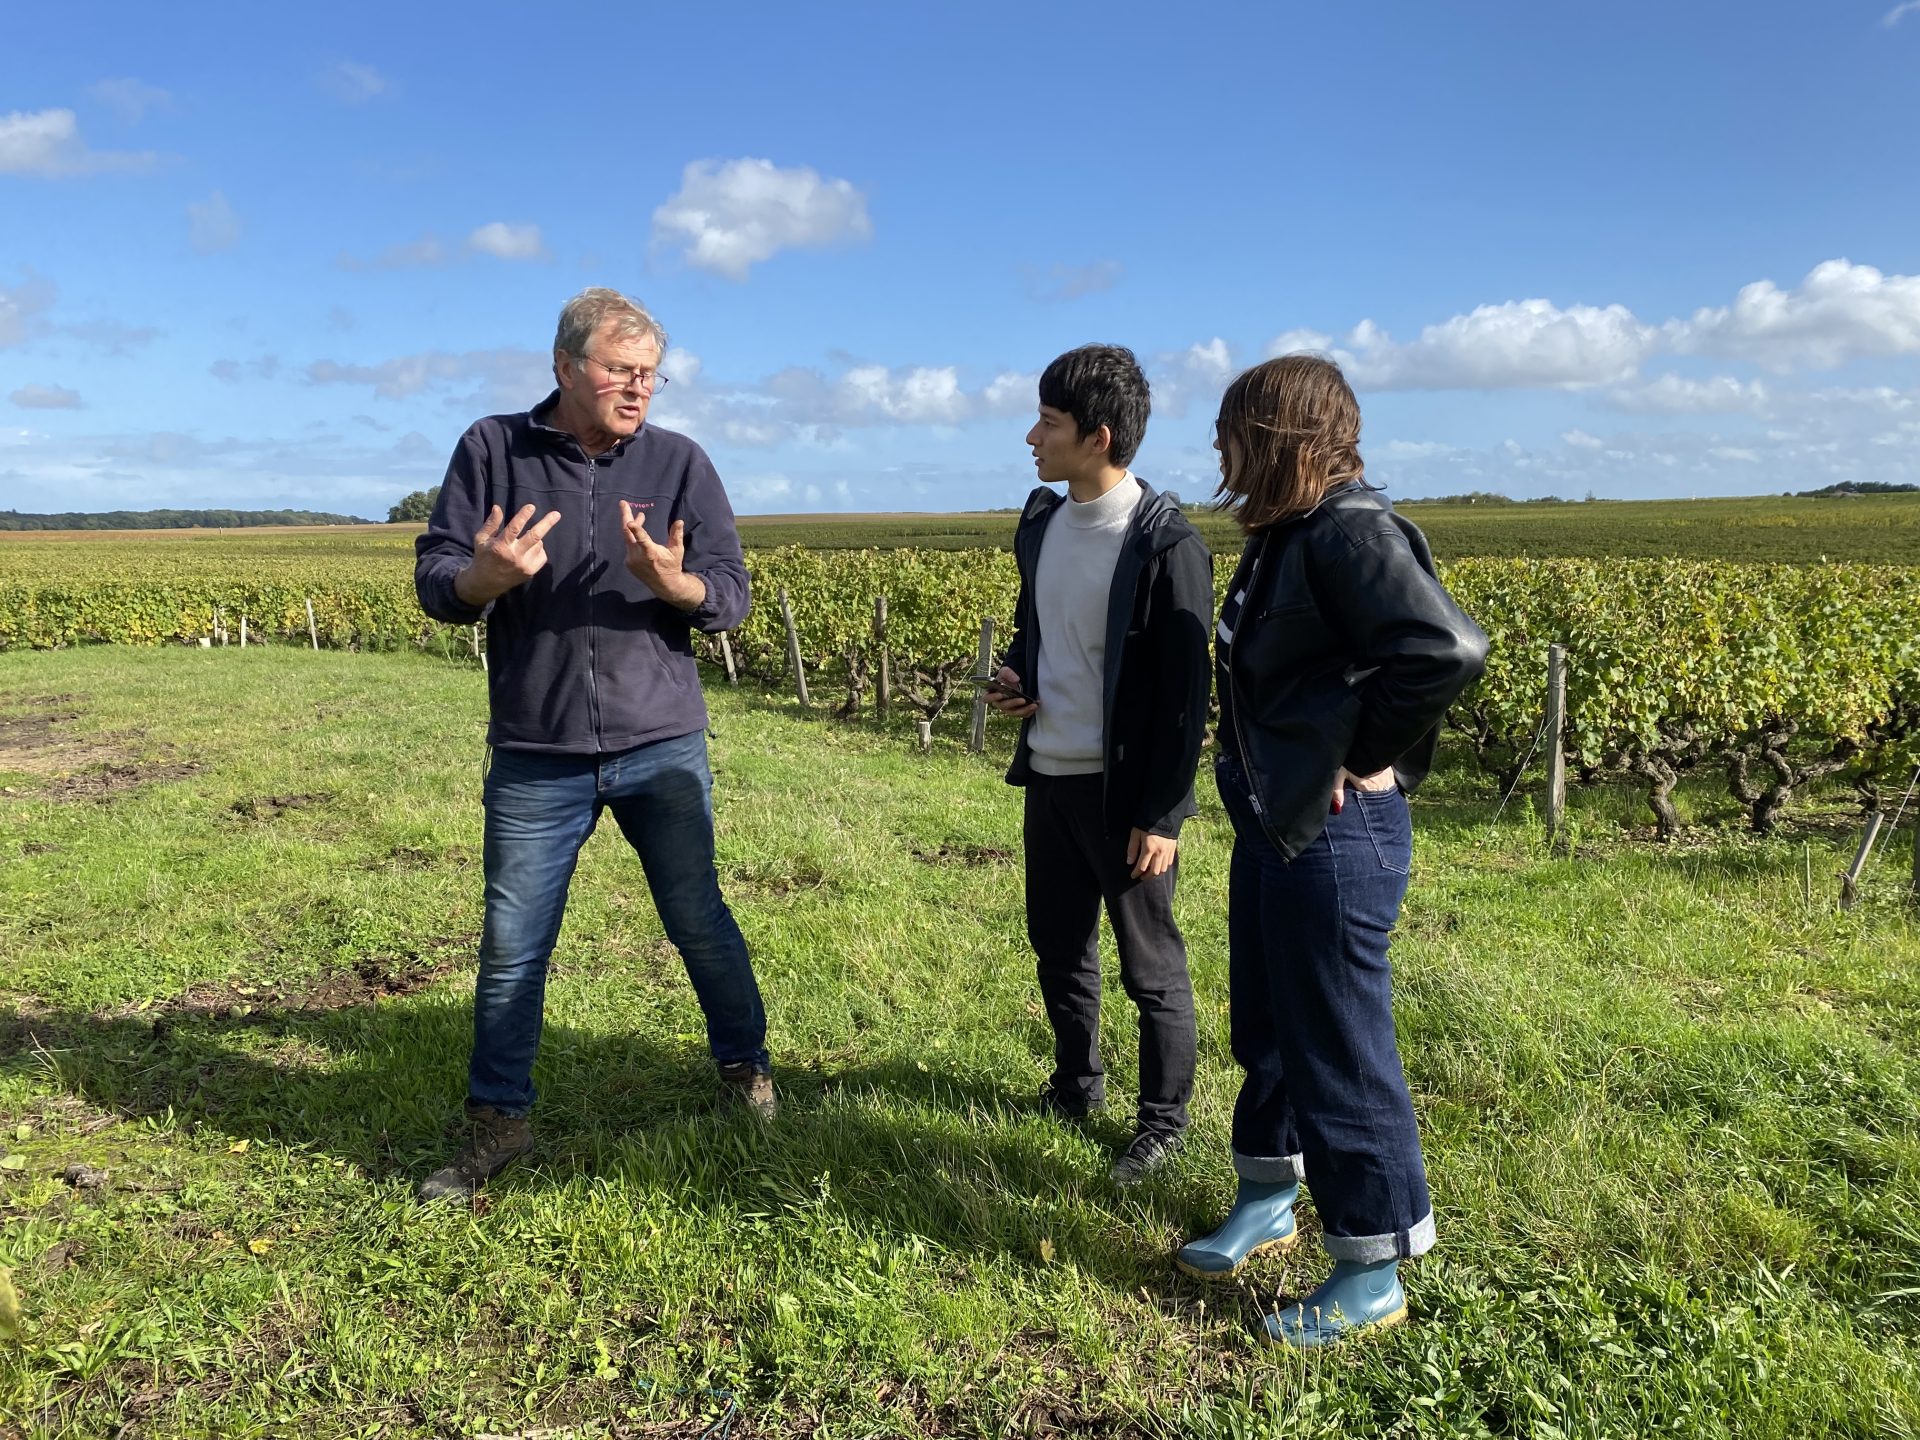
{"type": "Point", "coordinates": [593, 548]}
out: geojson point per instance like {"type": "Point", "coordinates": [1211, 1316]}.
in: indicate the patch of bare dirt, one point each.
{"type": "Point", "coordinates": [35, 740]}
{"type": "Point", "coordinates": [101, 781]}
{"type": "Point", "coordinates": [961, 854]}
{"type": "Point", "coordinates": [28, 1024]}
{"type": "Point", "coordinates": [776, 879]}
{"type": "Point", "coordinates": [272, 807]}
{"type": "Point", "coordinates": [27, 737]}
{"type": "Point", "coordinates": [369, 979]}
{"type": "Point", "coordinates": [60, 1255]}
{"type": "Point", "coordinates": [420, 857]}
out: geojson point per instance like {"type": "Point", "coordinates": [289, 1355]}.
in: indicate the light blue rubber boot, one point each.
{"type": "Point", "coordinates": [1356, 1297]}
{"type": "Point", "coordinates": [1261, 1220]}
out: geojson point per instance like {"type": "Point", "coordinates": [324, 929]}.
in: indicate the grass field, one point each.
{"type": "Point", "coordinates": [1672, 1109]}
{"type": "Point", "coordinates": [1876, 529]}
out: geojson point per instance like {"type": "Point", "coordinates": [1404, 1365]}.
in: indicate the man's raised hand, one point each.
{"type": "Point", "coordinates": [660, 567]}
{"type": "Point", "coordinates": [506, 553]}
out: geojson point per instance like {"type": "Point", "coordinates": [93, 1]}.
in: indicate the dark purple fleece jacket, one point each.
{"type": "Point", "coordinates": [583, 658]}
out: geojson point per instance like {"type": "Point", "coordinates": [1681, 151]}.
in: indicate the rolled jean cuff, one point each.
{"type": "Point", "coordinates": [1270, 1169]}
{"type": "Point", "coordinates": [1370, 1249]}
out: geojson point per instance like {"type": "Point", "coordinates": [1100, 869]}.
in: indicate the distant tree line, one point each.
{"type": "Point", "coordinates": [416, 507]}
{"type": "Point", "coordinates": [171, 519]}
{"type": "Point", "coordinates": [1859, 487]}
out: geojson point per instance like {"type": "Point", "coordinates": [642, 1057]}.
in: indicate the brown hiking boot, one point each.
{"type": "Point", "coordinates": [752, 1086]}
{"type": "Point", "coordinates": [496, 1142]}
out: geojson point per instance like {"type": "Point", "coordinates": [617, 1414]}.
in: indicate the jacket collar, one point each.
{"type": "Point", "coordinates": [539, 416]}
{"type": "Point", "coordinates": [1353, 495]}
{"type": "Point", "coordinates": [1157, 522]}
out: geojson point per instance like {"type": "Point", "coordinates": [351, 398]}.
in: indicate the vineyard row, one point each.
{"type": "Point", "coordinates": [1776, 676]}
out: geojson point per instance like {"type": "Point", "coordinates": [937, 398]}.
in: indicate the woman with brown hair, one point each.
{"type": "Point", "coordinates": [1337, 654]}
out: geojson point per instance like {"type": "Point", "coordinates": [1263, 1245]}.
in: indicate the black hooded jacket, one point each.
{"type": "Point", "coordinates": [1157, 669]}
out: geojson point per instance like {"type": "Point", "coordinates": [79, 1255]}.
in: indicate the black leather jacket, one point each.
{"type": "Point", "coordinates": [1347, 652]}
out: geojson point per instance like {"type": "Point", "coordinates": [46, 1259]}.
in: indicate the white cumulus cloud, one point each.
{"type": "Point", "coordinates": [212, 226]}
{"type": "Point", "coordinates": [47, 143]}
{"type": "Point", "coordinates": [1199, 372]}
{"type": "Point", "coordinates": [507, 376]}
{"type": "Point", "coordinates": [924, 395]}
{"type": "Point", "coordinates": [729, 216]}
{"type": "Point", "coordinates": [1293, 342]}
{"type": "Point", "coordinates": [46, 397]}
{"type": "Point", "coordinates": [766, 488]}
{"type": "Point", "coordinates": [505, 240]}
{"type": "Point", "coordinates": [1519, 344]}
{"type": "Point", "coordinates": [1671, 394]}
{"type": "Point", "coordinates": [1840, 312]}
{"type": "Point", "coordinates": [1209, 360]}
{"type": "Point", "coordinates": [1011, 392]}
{"type": "Point", "coordinates": [21, 307]}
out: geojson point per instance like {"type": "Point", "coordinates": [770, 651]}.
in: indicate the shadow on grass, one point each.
{"type": "Point", "coordinates": [958, 1160]}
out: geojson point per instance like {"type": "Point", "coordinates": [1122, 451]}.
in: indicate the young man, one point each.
{"type": "Point", "coordinates": [1109, 669]}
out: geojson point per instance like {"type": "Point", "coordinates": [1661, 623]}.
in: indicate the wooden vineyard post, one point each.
{"type": "Point", "coordinates": [884, 695]}
{"type": "Point", "coordinates": [925, 728]}
{"type": "Point", "coordinates": [313, 631]}
{"type": "Point", "coordinates": [978, 740]}
{"type": "Point", "coordinates": [243, 629]}
{"type": "Point", "coordinates": [1556, 741]}
{"type": "Point", "coordinates": [793, 651]}
{"type": "Point", "coordinates": [726, 654]}
{"type": "Point", "coordinates": [1850, 880]}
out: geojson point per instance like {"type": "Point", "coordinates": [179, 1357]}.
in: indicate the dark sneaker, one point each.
{"type": "Point", "coordinates": [1071, 1108]}
{"type": "Point", "coordinates": [1149, 1151]}
{"type": "Point", "coordinates": [752, 1086]}
{"type": "Point", "coordinates": [496, 1142]}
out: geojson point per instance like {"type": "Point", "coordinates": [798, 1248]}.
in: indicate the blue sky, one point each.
{"type": "Point", "coordinates": [282, 256]}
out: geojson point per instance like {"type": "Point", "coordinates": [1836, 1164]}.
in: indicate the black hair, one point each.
{"type": "Point", "coordinates": [1101, 385]}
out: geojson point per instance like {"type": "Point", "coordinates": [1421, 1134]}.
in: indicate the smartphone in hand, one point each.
{"type": "Point", "coordinates": [994, 685]}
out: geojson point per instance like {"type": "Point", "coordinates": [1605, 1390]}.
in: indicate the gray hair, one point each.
{"type": "Point", "coordinates": [583, 315]}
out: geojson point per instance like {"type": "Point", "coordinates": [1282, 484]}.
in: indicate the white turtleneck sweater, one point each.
{"type": "Point", "coordinates": [1071, 585]}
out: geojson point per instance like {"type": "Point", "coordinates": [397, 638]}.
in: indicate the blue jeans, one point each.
{"type": "Point", "coordinates": [1309, 987]}
{"type": "Point", "coordinates": [540, 810]}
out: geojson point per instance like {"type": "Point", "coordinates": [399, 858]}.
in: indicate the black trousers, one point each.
{"type": "Point", "coordinates": [1073, 864]}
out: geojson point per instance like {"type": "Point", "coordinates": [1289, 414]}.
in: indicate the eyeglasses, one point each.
{"type": "Point", "coordinates": [625, 375]}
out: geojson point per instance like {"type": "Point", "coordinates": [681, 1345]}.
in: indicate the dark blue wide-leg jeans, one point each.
{"type": "Point", "coordinates": [1325, 1099]}
{"type": "Point", "coordinates": [540, 810]}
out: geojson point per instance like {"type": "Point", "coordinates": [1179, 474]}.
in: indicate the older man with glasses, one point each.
{"type": "Point", "coordinates": [593, 544]}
